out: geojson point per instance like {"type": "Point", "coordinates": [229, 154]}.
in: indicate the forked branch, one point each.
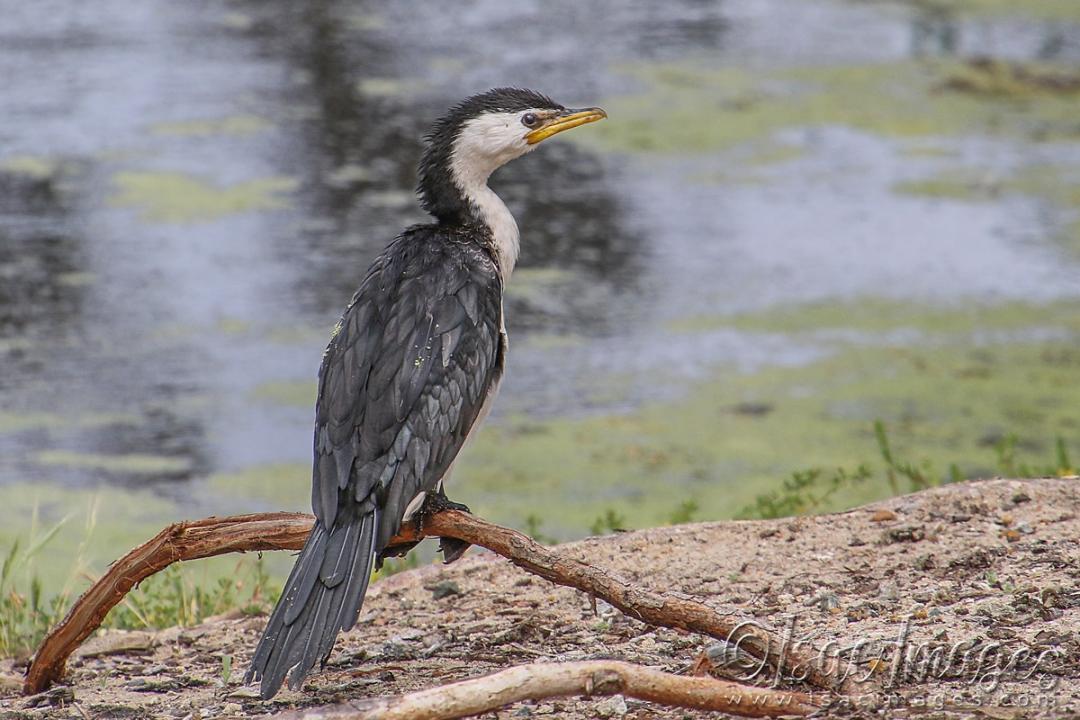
{"type": "Point", "coordinates": [287, 531]}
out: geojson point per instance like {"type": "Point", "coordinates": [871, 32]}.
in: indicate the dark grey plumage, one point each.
{"type": "Point", "coordinates": [401, 384]}
{"type": "Point", "coordinates": [407, 372]}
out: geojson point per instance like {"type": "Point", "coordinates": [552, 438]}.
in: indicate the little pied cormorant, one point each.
{"type": "Point", "coordinates": [410, 371]}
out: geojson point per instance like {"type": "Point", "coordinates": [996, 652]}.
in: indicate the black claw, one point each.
{"type": "Point", "coordinates": [451, 548]}
{"type": "Point", "coordinates": [394, 551]}
{"type": "Point", "coordinates": [437, 501]}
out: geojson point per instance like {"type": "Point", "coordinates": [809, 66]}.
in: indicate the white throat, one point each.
{"type": "Point", "coordinates": [494, 213]}
{"type": "Point", "coordinates": [485, 144]}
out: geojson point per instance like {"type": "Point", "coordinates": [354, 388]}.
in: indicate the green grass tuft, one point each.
{"type": "Point", "coordinates": [180, 595]}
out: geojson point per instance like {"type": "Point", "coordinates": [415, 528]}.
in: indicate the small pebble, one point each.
{"type": "Point", "coordinates": [614, 706]}
{"type": "Point", "coordinates": [445, 588]}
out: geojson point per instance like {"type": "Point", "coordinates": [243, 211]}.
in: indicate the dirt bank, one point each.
{"type": "Point", "coordinates": [979, 579]}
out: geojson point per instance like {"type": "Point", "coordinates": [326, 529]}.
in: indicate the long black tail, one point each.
{"type": "Point", "coordinates": [321, 598]}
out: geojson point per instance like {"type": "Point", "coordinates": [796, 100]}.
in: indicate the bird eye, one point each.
{"type": "Point", "coordinates": [529, 119]}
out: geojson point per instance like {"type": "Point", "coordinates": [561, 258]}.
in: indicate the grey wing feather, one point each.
{"type": "Point", "coordinates": [401, 384]}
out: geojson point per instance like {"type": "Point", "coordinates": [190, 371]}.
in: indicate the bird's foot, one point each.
{"type": "Point", "coordinates": [452, 548]}
{"type": "Point", "coordinates": [437, 502]}
{"type": "Point", "coordinates": [398, 550]}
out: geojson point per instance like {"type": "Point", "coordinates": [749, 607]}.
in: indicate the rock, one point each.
{"type": "Point", "coordinates": [1020, 497]}
{"type": "Point", "coordinates": [906, 533]}
{"type": "Point", "coordinates": [825, 601]}
{"type": "Point", "coordinates": [445, 588]}
{"type": "Point", "coordinates": [245, 693]}
{"type": "Point", "coordinates": [392, 650]}
{"type": "Point", "coordinates": [889, 591]}
{"type": "Point", "coordinates": [144, 684]}
{"type": "Point", "coordinates": [114, 642]}
{"type": "Point", "coordinates": [614, 706]}
{"type": "Point", "coordinates": [61, 695]}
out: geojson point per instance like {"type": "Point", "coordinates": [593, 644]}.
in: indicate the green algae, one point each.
{"type": "Point", "coordinates": [282, 486]}
{"type": "Point", "coordinates": [734, 436]}
{"type": "Point", "coordinates": [388, 87]}
{"type": "Point", "coordinates": [1012, 80]}
{"type": "Point", "coordinates": [748, 164]}
{"type": "Point", "coordinates": [1059, 186]}
{"type": "Point", "coordinates": [686, 108]}
{"type": "Point", "coordinates": [229, 325]}
{"type": "Point", "coordinates": [1037, 10]}
{"type": "Point", "coordinates": [15, 344]}
{"type": "Point", "coordinates": [944, 405]}
{"type": "Point", "coordinates": [953, 185]}
{"type": "Point", "coordinates": [396, 199]}
{"type": "Point", "coordinates": [876, 315]}
{"type": "Point", "coordinates": [121, 464]}
{"type": "Point", "coordinates": [365, 21]}
{"type": "Point", "coordinates": [1070, 237]}
{"type": "Point", "coordinates": [18, 422]}
{"type": "Point", "coordinates": [927, 149]}
{"type": "Point", "coordinates": [737, 436]}
{"type": "Point", "coordinates": [291, 393]}
{"type": "Point", "coordinates": [233, 125]}
{"type": "Point", "coordinates": [537, 285]}
{"type": "Point", "coordinates": [76, 279]}
{"type": "Point", "coordinates": [237, 21]}
{"type": "Point", "coordinates": [178, 198]}
{"type": "Point", "coordinates": [550, 341]}
{"type": "Point", "coordinates": [767, 154]}
{"type": "Point", "coordinates": [1053, 183]}
{"type": "Point", "coordinates": [297, 335]}
{"type": "Point", "coordinates": [36, 168]}
{"type": "Point", "coordinates": [348, 175]}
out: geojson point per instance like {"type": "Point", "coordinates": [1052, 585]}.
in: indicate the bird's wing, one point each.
{"type": "Point", "coordinates": [404, 379]}
{"type": "Point", "coordinates": [402, 382]}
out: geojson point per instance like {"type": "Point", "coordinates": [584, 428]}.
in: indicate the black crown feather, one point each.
{"type": "Point", "coordinates": [437, 192]}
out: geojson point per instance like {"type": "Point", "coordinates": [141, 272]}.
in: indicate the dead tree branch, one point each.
{"type": "Point", "coordinates": [595, 678]}
{"type": "Point", "coordinates": [287, 531]}
{"type": "Point", "coordinates": [180, 541]}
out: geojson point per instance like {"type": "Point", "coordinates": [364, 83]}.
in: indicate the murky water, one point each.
{"type": "Point", "coordinates": [189, 193]}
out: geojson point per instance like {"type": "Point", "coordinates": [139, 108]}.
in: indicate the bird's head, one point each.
{"type": "Point", "coordinates": [484, 132]}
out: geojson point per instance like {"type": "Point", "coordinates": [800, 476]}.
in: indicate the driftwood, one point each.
{"type": "Point", "coordinates": [288, 531]}
{"type": "Point", "coordinates": [594, 678]}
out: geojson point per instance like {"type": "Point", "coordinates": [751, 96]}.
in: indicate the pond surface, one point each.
{"type": "Point", "coordinates": [190, 192]}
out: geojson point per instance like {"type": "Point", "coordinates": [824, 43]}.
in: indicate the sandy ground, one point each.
{"type": "Point", "coordinates": [980, 580]}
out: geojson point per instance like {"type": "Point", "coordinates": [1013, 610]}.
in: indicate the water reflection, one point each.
{"type": "Point", "coordinates": [202, 186]}
{"type": "Point", "coordinates": [938, 31]}
{"type": "Point", "coordinates": [358, 152]}
{"type": "Point", "coordinates": [39, 257]}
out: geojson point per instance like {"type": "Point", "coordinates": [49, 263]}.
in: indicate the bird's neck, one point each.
{"type": "Point", "coordinates": [460, 195]}
{"type": "Point", "coordinates": [488, 209]}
